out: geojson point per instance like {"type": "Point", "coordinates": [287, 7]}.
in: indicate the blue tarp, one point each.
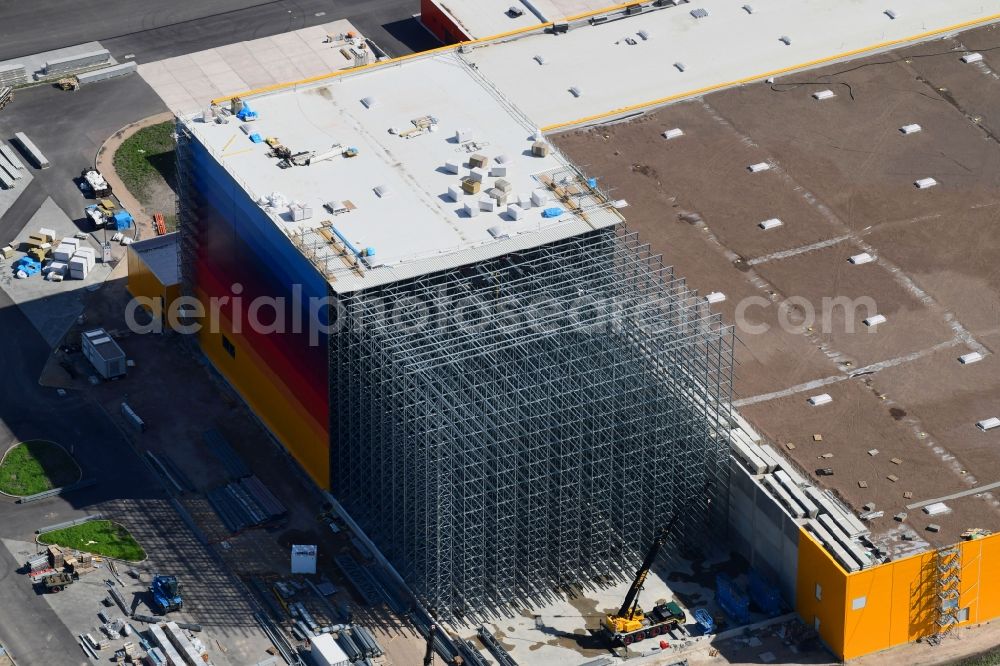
{"type": "Point", "coordinates": [764, 594]}
{"type": "Point", "coordinates": [555, 211]}
{"type": "Point", "coordinates": [246, 113]}
{"type": "Point", "coordinates": [256, 138]}
{"type": "Point", "coordinates": [123, 220]}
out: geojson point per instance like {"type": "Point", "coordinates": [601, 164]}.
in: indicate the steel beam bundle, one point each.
{"type": "Point", "coordinates": [529, 421]}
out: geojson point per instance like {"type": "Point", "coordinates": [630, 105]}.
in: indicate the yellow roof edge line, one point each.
{"type": "Point", "coordinates": [776, 72]}
{"type": "Point", "coordinates": [503, 35]}
{"type": "Point", "coordinates": [603, 10]}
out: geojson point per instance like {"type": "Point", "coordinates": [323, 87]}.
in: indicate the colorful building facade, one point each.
{"type": "Point", "coordinates": [900, 601]}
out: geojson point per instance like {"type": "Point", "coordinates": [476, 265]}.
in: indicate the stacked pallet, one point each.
{"type": "Point", "coordinates": [245, 504]}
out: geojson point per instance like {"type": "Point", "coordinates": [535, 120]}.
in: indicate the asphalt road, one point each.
{"type": "Point", "coordinates": [69, 128]}
{"type": "Point", "coordinates": [155, 30]}
{"type": "Point", "coordinates": [28, 626]}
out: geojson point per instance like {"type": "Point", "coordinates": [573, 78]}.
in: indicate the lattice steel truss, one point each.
{"type": "Point", "coordinates": [530, 421]}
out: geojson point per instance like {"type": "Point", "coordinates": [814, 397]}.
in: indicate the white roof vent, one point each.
{"type": "Point", "coordinates": [988, 424]}
{"type": "Point", "coordinates": [773, 223]}
{"type": "Point", "coordinates": [786, 40]}
{"type": "Point", "coordinates": [760, 166]}
{"type": "Point", "coordinates": [748, 9]}
{"type": "Point", "coordinates": [699, 13]}
{"type": "Point", "coordinates": [970, 358]}
{"type": "Point", "coordinates": [382, 191]}
{"type": "Point", "coordinates": [673, 133]}
{"type": "Point", "coordinates": [715, 297]}
{"type": "Point", "coordinates": [912, 128]}
{"type": "Point", "coordinates": [972, 57]}
{"type": "Point", "coordinates": [643, 35]}
{"type": "Point", "coordinates": [680, 66]}
{"type": "Point", "coordinates": [575, 91]}
{"type": "Point", "coordinates": [890, 13]}
{"type": "Point", "coordinates": [936, 509]}
{"type": "Point", "coordinates": [875, 320]}
{"type": "Point", "coordinates": [924, 183]}
{"type": "Point", "coordinates": [863, 258]}
{"type": "Point", "coordinates": [821, 399]}
{"type": "Point", "coordinates": [540, 59]}
{"type": "Point", "coordinates": [824, 94]}
{"type": "Point", "coordinates": [369, 102]}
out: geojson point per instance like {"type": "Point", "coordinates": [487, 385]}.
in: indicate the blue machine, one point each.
{"type": "Point", "coordinates": [732, 600]}
{"type": "Point", "coordinates": [764, 594]}
{"type": "Point", "coordinates": [166, 594]}
{"type": "Point", "coordinates": [704, 620]}
{"type": "Point", "coordinates": [122, 220]}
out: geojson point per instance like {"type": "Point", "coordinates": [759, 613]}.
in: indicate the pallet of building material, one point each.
{"type": "Point", "coordinates": [106, 73]}
{"type": "Point", "coordinates": [493, 645]}
{"type": "Point", "coordinates": [252, 512]}
{"type": "Point", "coordinates": [224, 506]}
{"type": "Point", "coordinates": [11, 157]}
{"type": "Point", "coordinates": [360, 579]}
{"type": "Point", "coordinates": [75, 62]}
{"type": "Point", "coordinates": [263, 497]}
{"type": "Point", "coordinates": [31, 150]}
{"type": "Point", "coordinates": [366, 641]}
{"type": "Point", "coordinates": [220, 448]}
{"type": "Point", "coordinates": [470, 654]}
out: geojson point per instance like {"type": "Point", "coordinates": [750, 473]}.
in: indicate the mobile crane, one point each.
{"type": "Point", "coordinates": [631, 623]}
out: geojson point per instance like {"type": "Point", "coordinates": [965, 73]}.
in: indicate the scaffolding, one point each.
{"type": "Point", "coordinates": [529, 422]}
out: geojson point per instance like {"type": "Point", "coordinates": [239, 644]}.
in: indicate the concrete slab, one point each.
{"type": "Point", "coordinates": [34, 64]}
{"type": "Point", "coordinates": [9, 196]}
{"type": "Point", "coordinates": [187, 83]}
{"type": "Point", "coordinates": [52, 307]}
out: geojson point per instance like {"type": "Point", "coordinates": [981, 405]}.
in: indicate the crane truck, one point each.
{"type": "Point", "coordinates": [166, 595]}
{"type": "Point", "coordinates": [631, 623]}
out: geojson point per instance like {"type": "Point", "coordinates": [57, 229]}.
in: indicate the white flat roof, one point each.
{"type": "Point", "coordinates": [728, 46]}
{"type": "Point", "coordinates": [486, 18]}
{"type": "Point", "coordinates": [414, 228]}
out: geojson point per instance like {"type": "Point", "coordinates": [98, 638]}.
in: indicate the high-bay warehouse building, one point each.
{"type": "Point", "coordinates": [507, 374]}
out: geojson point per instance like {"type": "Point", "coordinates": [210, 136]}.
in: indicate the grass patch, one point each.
{"type": "Point", "coordinates": [101, 537]}
{"type": "Point", "coordinates": [36, 466]}
{"type": "Point", "coordinates": [147, 155]}
{"type": "Point", "coordinates": [985, 659]}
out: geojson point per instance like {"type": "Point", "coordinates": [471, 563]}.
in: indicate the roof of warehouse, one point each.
{"type": "Point", "coordinates": [160, 255]}
{"type": "Point", "coordinates": [413, 227]}
{"type": "Point", "coordinates": [485, 18]}
{"type": "Point", "coordinates": [900, 428]}
{"type": "Point", "coordinates": [726, 46]}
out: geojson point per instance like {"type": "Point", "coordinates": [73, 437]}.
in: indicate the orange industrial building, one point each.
{"type": "Point", "coordinates": [900, 601]}
{"type": "Point", "coordinates": [154, 275]}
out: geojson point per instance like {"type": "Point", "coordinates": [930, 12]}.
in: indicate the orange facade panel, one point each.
{"type": "Point", "coordinates": [893, 603]}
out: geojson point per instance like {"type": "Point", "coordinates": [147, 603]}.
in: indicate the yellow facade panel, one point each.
{"type": "Point", "coordinates": [300, 433]}
{"type": "Point", "coordinates": [893, 603]}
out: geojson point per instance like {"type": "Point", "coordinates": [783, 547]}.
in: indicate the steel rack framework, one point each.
{"type": "Point", "coordinates": [530, 421]}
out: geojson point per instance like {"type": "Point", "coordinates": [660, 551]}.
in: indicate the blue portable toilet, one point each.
{"type": "Point", "coordinates": [122, 220]}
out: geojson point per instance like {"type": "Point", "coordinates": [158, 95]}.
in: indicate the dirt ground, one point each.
{"type": "Point", "coordinates": [842, 182]}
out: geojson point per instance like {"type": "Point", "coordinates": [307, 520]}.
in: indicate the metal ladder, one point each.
{"type": "Point", "coordinates": [948, 567]}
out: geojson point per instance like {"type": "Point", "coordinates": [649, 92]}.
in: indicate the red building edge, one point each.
{"type": "Point", "coordinates": [441, 23]}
